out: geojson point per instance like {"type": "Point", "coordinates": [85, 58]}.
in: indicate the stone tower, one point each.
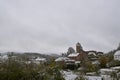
{"type": "Point", "coordinates": [79, 48]}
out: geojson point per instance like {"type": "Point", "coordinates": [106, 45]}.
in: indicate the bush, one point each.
{"type": "Point", "coordinates": [14, 70]}
{"type": "Point", "coordinates": [113, 63]}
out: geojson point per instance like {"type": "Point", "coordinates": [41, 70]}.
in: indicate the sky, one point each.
{"type": "Point", "coordinates": [51, 26]}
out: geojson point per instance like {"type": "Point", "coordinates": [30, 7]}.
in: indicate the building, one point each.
{"type": "Point", "coordinates": [92, 55]}
{"type": "Point", "coordinates": [83, 55]}
{"type": "Point", "coordinates": [39, 60]}
{"type": "Point", "coordinates": [79, 48]}
{"type": "Point", "coordinates": [65, 60]}
{"type": "Point", "coordinates": [61, 59]}
{"type": "Point", "coordinates": [117, 55]}
{"type": "Point", "coordinates": [79, 55]}
{"type": "Point", "coordinates": [75, 56]}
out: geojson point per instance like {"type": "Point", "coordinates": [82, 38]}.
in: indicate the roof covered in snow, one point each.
{"type": "Point", "coordinates": [115, 68]}
{"type": "Point", "coordinates": [77, 62]}
{"type": "Point", "coordinates": [73, 55]}
{"type": "Point", "coordinates": [40, 59]}
{"type": "Point", "coordinates": [107, 70]}
{"type": "Point", "coordinates": [92, 53]}
{"type": "Point", "coordinates": [117, 53]}
{"type": "Point", "coordinates": [62, 59]}
{"type": "Point", "coordinates": [5, 57]}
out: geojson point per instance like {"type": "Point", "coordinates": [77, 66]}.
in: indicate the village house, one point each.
{"type": "Point", "coordinates": [117, 55]}
{"type": "Point", "coordinates": [61, 59]}
{"type": "Point", "coordinates": [92, 55]}
{"type": "Point", "coordinates": [74, 56]}
{"type": "Point", "coordinates": [65, 60]}
{"type": "Point", "coordinates": [39, 60]}
{"type": "Point", "coordinates": [4, 57]}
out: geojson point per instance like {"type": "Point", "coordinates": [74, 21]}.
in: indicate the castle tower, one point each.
{"type": "Point", "coordinates": [78, 48]}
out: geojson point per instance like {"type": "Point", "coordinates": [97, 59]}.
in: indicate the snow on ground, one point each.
{"type": "Point", "coordinates": [69, 75]}
{"type": "Point", "coordinates": [93, 78]}
{"type": "Point", "coordinates": [106, 77]}
{"type": "Point", "coordinates": [115, 68]}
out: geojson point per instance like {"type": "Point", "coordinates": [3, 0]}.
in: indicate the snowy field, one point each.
{"type": "Point", "coordinates": [69, 75]}
{"type": "Point", "coordinates": [93, 78]}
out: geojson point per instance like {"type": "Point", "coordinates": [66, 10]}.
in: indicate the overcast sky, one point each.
{"type": "Point", "coordinates": [54, 25]}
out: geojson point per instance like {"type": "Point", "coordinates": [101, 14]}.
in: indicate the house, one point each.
{"type": "Point", "coordinates": [92, 55]}
{"type": "Point", "coordinates": [117, 55]}
{"type": "Point", "coordinates": [100, 53]}
{"type": "Point", "coordinates": [5, 57]}
{"type": "Point", "coordinates": [74, 56]}
{"type": "Point", "coordinates": [39, 60]}
{"type": "Point", "coordinates": [77, 56]}
{"type": "Point", "coordinates": [65, 60]}
{"type": "Point", "coordinates": [61, 59]}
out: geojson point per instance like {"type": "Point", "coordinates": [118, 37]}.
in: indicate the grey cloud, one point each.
{"type": "Point", "coordinates": [54, 25]}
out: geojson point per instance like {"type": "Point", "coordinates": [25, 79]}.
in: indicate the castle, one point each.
{"type": "Point", "coordinates": [81, 55]}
